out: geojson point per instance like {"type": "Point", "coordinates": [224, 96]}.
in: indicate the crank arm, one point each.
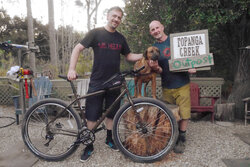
{"type": "Point", "coordinates": [103, 127]}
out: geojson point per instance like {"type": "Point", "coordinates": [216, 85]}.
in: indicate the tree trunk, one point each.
{"type": "Point", "coordinates": [241, 87]}
{"type": "Point", "coordinates": [225, 112]}
{"type": "Point", "coordinates": [90, 13]}
{"type": "Point", "coordinates": [52, 35]}
{"type": "Point", "coordinates": [32, 60]}
{"type": "Point", "coordinates": [63, 52]}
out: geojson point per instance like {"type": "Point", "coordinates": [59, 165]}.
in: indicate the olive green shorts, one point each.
{"type": "Point", "coordinates": [180, 97]}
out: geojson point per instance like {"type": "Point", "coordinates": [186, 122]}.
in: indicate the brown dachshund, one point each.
{"type": "Point", "coordinates": [147, 74]}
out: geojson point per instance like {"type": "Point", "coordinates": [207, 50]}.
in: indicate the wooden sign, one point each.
{"type": "Point", "coordinates": [190, 50]}
{"type": "Point", "coordinates": [192, 62]}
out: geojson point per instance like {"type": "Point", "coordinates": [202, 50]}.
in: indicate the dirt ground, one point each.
{"type": "Point", "coordinates": [208, 145]}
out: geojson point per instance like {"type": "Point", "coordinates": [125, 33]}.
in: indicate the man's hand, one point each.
{"type": "Point", "coordinates": [191, 70]}
{"type": "Point", "coordinates": [155, 66]}
{"type": "Point", "coordinates": [72, 75]}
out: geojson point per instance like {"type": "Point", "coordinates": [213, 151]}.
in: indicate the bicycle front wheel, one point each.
{"type": "Point", "coordinates": [146, 133]}
{"type": "Point", "coordinates": [49, 129]}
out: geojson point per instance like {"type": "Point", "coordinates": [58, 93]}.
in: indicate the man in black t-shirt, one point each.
{"type": "Point", "coordinates": [107, 44]}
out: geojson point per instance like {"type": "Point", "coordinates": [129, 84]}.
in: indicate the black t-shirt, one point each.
{"type": "Point", "coordinates": [107, 48]}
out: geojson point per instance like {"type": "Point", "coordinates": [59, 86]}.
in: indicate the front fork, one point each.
{"type": "Point", "coordinates": [140, 124]}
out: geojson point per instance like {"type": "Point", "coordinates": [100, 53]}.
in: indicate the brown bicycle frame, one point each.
{"type": "Point", "coordinates": [107, 111]}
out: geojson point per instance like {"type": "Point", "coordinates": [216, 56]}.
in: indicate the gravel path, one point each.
{"type": "Point", "coordinates": [207, 144]}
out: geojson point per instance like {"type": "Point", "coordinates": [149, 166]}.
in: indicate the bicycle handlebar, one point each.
{"type": "Point", "coordinates": [9, 46]}
{"type": "Point", "coordinates": [115, 80]}
{"type": "Point", "coordinates": [122, 74]}
{"type": "Point", "coordinates": [63, 77]}
{"type": "Point", "coordinates": [132, 72]}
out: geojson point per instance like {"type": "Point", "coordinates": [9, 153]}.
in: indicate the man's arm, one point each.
{"type": "Point", "coordinates": [133, 57]}
{"type": "Point", "coordinates": [73, 61]}
{"type": "Point", "coordinates": [191, 70]}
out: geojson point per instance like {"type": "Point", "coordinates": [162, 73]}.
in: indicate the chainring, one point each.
{"type": "Point", "coordinates": [87, 137]}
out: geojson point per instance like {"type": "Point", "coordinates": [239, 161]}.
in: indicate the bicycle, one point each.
{"type": "Point", "coordinates": [144, 129]}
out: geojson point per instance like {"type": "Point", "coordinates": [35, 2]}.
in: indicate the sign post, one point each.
{"type": "Point", "coordinates": [190, 50]}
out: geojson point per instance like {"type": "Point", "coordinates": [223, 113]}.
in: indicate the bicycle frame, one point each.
{"type": "Point", "coordinates": [106, 112]}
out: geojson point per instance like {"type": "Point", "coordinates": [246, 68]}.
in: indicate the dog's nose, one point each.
{"type": "Point", "coordinates": [155, 57]}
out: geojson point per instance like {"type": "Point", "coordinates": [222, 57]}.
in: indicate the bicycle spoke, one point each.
{"type": "Point", "coordinates": [146, 133]}
{"type": "Point", "coordinates": [48, 134]}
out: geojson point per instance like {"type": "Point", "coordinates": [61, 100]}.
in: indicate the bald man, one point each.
{"type": "Point", "coordinates": [175, 85]}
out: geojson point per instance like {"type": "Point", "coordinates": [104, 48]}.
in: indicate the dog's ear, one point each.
{"type": "Point", "coordinates": [145, 54]}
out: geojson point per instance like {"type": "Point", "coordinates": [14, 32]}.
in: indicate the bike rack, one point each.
{"type": "Point", "coordinates": [20, 108]}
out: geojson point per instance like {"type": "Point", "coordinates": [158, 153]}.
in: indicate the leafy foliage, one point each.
{"type": "Point", "coordinates": [228, 23]}
{"type": "Point", "coordinates": [15, 30]}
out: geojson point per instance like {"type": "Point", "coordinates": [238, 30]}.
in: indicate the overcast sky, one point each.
{"type": "Point", "coordinates": [66, 12]}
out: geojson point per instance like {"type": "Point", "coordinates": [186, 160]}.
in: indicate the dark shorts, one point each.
{"type": "Point", "coordinates": [96, 105]}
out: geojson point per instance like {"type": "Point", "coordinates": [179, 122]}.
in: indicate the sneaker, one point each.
{"type": "Point", "coordinates": [88, 151]}
{"type": "Point", "coordinates": [111, 145]}
{"type": "Point", "coordinates": [179, 147]}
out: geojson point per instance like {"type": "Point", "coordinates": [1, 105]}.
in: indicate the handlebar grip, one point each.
{"type": "Point", "coordinates": [63, 77]}
{"type": "Point", "coordinates": [5, 46]}
{"type": "Point", "coordinates": [138, 70]}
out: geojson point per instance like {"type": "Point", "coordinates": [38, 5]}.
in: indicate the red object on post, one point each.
{"type": "Point", "coordinates": [26, 74]}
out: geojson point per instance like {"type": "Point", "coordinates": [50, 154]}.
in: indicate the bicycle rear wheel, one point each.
{"type": "Point", "coordinates": [150, 135]}
{"type": "Point", "coordinates": [49, 130]}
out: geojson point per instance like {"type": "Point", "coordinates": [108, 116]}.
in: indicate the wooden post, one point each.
{"type": "Point", "coordinates": [22, 98]}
